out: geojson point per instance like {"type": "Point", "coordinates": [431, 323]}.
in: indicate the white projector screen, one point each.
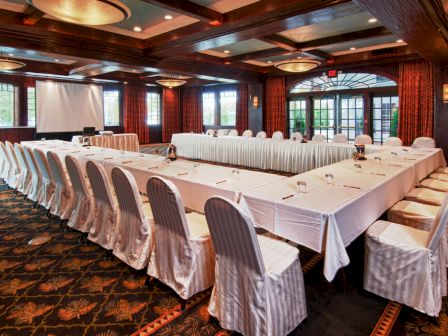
{"type": "Point", "coordinates": [68, 107]}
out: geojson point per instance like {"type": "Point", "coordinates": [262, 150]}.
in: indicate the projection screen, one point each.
{"type": "Point", "coordinates": [68, 107]}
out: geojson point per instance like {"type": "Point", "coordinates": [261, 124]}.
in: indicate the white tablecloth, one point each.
{"type": "Point", "coordinates": [280, 155]}
{"type": "Point", "coordinates": [125, 141]}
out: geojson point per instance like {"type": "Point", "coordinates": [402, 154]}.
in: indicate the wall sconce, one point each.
{"type": "Point", "coordinates": [255, 102]}
{"type": "Point", "coordinates": [445, 93]}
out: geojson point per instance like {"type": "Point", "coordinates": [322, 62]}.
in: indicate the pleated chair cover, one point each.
{"type": "Point", "coordinates": [17, 173]}
{"type": "Point", "coordinates": [46, 192]}
{"type": "Point", "coordinates": [210, 132]}
{"type": "Point", "coordinates": [417, 215]}
{"type": "Point", "coordinates": [434, 184]}
{"type": "Point", "coordinates": [297, 135]}
{"type": "Point", "coordinates": [363, 139]}
{"type": "Point", "coordinates": [25, 186]}
{"type": "Point", "coordinates": [83, 213]}
{"type": "Point", "coordinates": [261, 135]}
{"type": "Point", "coordinates": [64, 196]}
{"type": "Point", "coordinates": [439, 176]}
{"type": "Point", "coordinates": [183, 257]}
{"type": "Point", "coordinates": [233, 132]}
{"type": "Point", "coordinates": [259, 287]}
{"type": "Point", "coordinates": [277, 135]}
{"type": "Point", "coordinates": [393, 141]}
{"type": "Point", "coordinates": [319, 138]}
{"type": "Point", "coordinates": [424, 142]}
{"type": "Point", "coordinates": [135, 238]}
{"type": "Point", "coordinates": [247, 134]}
{"type": "Point", "coordinates": [223, 132]}
{"type": "Point", "coordinates": [6, 166]}
{"type": "Point", "coordinates": [105, 226]}
{"type": "Point", "coordinates": [407, 265]}
{"type": "Point", "coordinates": [36, 177]}
{"type": "Point", "coordinates": [426, 196]}
{"type": "Point", "coordinates": [340, 138]}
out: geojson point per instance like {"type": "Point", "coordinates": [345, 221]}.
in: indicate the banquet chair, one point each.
{"type": "Point", "coordinates": [439, 176]}
{"type": "Point", "coordinates": [340, 138]}
{"type": "Point", "coordinates": [393, 141]}
{"type": "Point", "coordinates": [259, 288]}
{"type": "Point", "coordinates": [25, 186]}
{"type": "Point", "coordinates": [105, 225]}
{"type": "Point", "coordinates": [233, 132]}
{"type": "Point", "coordinates": [46, 192]}
{"type": "Point", "coordinates": [319, 138]}
{"type": "Point", "coordinates": [83, 214]}
{"type": "Point", "coordinates": [7, 171]}
{"type": "Point", "coordinates": [36, 176]}
{"type": "Point", "coordinates": [183, 257]}
{"type": "Point", "coordinates": [210, 132]}
{"type": "Point", "coordinates": [277, 135]}
{"type": "Point", "coordinates": [17, 173]}
{"type": "Point", "coordinates": [135, 234]}
{"type": "Point", "coordinates": [64, 197]}
{"type": "Point", "coordinates": [433, 184]}
{"type": "Point", "coordinates": [425, 196]}
{"type": "Point", "coordinates": [424, 142]}
{"type": "Point", "coordinates": [297, 135]}
{"type": "Point", "coordinates": [363, 139]}
{"type": "Point", "coordinates": [407, 265]}
{"type": "Point", "coordinates": [247, 134]}
{"type": "Point", "coordinates": [417, 215]}
{"type": "Point", "coordinates": [261, 135]}
{"type": "Point", "coordinates": [443, 170]}
{"type": "Point", "coordinates": [223, 132]}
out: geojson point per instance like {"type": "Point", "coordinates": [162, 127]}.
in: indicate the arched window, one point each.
{"type": "Point", "coordinates": [349, 103]}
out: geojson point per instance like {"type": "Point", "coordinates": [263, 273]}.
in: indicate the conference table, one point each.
{"type": "Point", "coordinates": [124, 141]}
{"type": "Point", "coordinates": [267, 154]}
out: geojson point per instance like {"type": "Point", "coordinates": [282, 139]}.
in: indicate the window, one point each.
{"type": "Point", "coordinates": [8, 98]}
{"type": "Point", "coordinates": [227, 104]}
{"type": "Point", "coordinates": [323, 116]}
{"type": "Point", "coordinates": [385, 117]}
{"type": "Point", "coordinates": [219, 107]}
{"type": "Point", "coordinates": [31, 105]}
{"type": "Point", "coordinates": [351, 116]}
{"type": "Point", "coordinates": [208, 108]}
{"type": "Point", "coordinates": [297, 116]}
{"type": "Point", "coordinates": [153, 108]}
{"type": "Point", "coordinates": [111, 108]}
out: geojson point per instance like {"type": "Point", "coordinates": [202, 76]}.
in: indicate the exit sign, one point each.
{"type": "Point", "coordinates": [332, 73]}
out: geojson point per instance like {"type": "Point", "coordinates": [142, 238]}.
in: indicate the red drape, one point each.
{"type": "Point", "coordinates": [170, 113]}
{"type": "Point", "coordinates": [135, 112]}
{"type": "Point", "coordinates": [416, 98]}
{"type": "Point", "coordinates": [242, 100]}
{"type": "Point", "coordinates": [192, 110]}
{"type": "Point", "coordinates": [275, 105]}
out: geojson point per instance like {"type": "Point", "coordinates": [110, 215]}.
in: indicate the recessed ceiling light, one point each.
{"type": "Point", "coordinates": [56, 60]}
{"type": "Point", "coordinates": [125, 82]}
{"type": "Point", "coordinates": [269, 62]}
{"type": "Point", "coordinates": [226, 52]}
{"type": "Point", "coordinates": [137, 29]}
{"type": "Point", "coordinates": [373, 20]}
{"type": "Point", "coordinates": [10, 54]}
{"type": "Point", "coordinates": [352, 48]}
{"type": "Point", "coordinates": [133, 70]}
{"type": "Point", "coordinates": [399, 41]}
{"type": "Point", "coordinates": [168, 17]}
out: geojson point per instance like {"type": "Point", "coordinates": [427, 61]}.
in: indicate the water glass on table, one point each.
{"type": "Point", "coordinates": [358, 167]}
{"type": "Point", "coordinates": [301, 187]}
{"type": "Point", "coordinates": [329, 179]}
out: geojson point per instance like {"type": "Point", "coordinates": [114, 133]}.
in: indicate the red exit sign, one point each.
{"type": "Point", "coordinates": [332, 73]}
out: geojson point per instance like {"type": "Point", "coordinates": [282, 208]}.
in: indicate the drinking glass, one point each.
{"type": "Point", "coordinates": [236, 174]}
{"type": "Point", "coordinates": [358, 167]}
{"type": "Point", "coordinates": [378, 159]}
{"type": "Point", "coordinates": [329, 179]}
{"type": "Point", "coordinates": [301, 187]}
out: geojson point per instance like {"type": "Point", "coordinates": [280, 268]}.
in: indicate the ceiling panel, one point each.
{"type": "Point", "coordinates": [358, 44]}
{"type": "Point", "coordinates": [238, 48]}
{"type": "Point", "coordinates": [34, 56]}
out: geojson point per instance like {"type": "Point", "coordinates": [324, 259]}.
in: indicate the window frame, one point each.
{"type": "Point", "coordinates": [382, 131]}
{"type": "Point", "coordinates": [15, 101]}
{"type": "Point", "coordinates": [218, 92]}
{"type": "Point", "coordinates": [113, 89]}
{"type": "Point", "coordinates": [158, 113]}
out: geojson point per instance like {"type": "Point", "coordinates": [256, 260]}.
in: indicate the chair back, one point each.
{"type": "Point", "coordinates": [167, 206]}
{"type": "Point", "coordinates": [223, 132]}
{"type": "Point", "coordinates": [319, 138]}
{"type": "Point", "coordinates": [393, 141]}
{"type": "Point", "coordinates": [23, 162]}
{"type": "Point", "coordinates": [424, 142]}
{"type": "Point", "coordinates": [438, 229]}
{"type": "Point", "coordinates": [12, 155]}
{"type": "Point", "coordinates": [363, 139]}
{"type": "Point", "coordinates": [29, 154]}
{"type": "Point", "coordinates": [99, 182]}
{"type": "Point", "coordinates": [233, 132]}
{"type": "Point", "coordinates": [233, 234]}
{"type": "Point", "coordinates": [340, 138]}
{"type": "Point", "coordinates": [277, 135]}
{"type": "Point", "coordinates": [261, 135]}
{"type": "Point", "coordinates": [210, 132]}
{"type": "Point", "coordinates": [247, 134]}
{"type": "Point", "coordinates": [76, 174]}
{"type": "Point", "coordinates": [43, 165]}
{"type": "Point", "coordinates": [57, 170]}
{"type": "Point", "coordinates": [297, 135]}
{"type": "Point", "coordinates": [4, 152]}
{"type": "Point", "coordinates": [127, 193]}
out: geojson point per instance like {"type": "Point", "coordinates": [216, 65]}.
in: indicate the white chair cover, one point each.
{"type": "Point", "coordinates": [83, 213]}
{"type": "Point", "coordinates": [439, 176]}
{"type": "Point", "coordinates": [393, 141]}
{"type": "Point", "coordinates": [340, 138]}
{"type": "Point", "coordinates": [278, 135]}
{"type": "Point", "coordinates": [210, 132]}
{"type": "Point", "coordinates": [223, 132]}
{"type": "Point", "coordinates": [4, 166]}
{"type": "Point", "coordinates": [183, 257]}
{"type": "Point", "coordinates": [424, 142]}
{"type": "Point", "coordinates": [46, 192]}
{"type": "Point", "coordinates": [297, 135]}
{"type": "Point", "coordinates": [36, 176]}
{"type": "Point", "coordinates": [443, 170]}
{"type": "Point", "coordinates": [134, 243]}
{"type": "Point", "coordinates": [261, 135]}
{"type": "Point", "coordinates": [17, 173]}
{"type": "Point", "coordinates": [105, 225]}
{"type": "Point", "coordinates": [319, 137]}
{"type": "Point", "coordinates": [417, 215]}
{"type": "Point", "coordinates": [434, 184]}
{"type": "Point", "coordinates": [233, 132]}
{"type": "Point", "coordinates": [247, 134]}
{"type": "Point", "coordinates": [426, 196]}
{"type": "Point", "coordinates": [64, 198]}
{"type": "Point", "coordinates": [363, 139]}
{"type": "Point", "coordinates": [259, 287]}
{"type": "Point", "coordinates": [25, 186]}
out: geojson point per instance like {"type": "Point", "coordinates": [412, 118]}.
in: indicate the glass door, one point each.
{"type": "Point", "coordinates": [351, 116]}
{"type": "Point", "coordinates": [324, 113]}
{"type": "Point", "coordinates": [297, 116]}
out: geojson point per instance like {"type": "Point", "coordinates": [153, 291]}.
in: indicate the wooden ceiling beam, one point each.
{"type": "Point", "coordinates": [43, 67]}
{"type": "Point", "coordinates": [191, 9]}
{"type": "Point", "coordinates": [31, 15]}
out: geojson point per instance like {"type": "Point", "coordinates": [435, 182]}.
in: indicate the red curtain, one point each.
{"type": "Point", "coordinates": [170, 113]}
{"type": "Point", "coordinates": [192, 110]}
{"type": "Point", "coordinates": [242, 115]}
{"type": "Point", "coordinates": [275, 105]}
{"type": "Point", "coordinates": [135, 112]}
{"type": "Point", "coordinates": [416, 97]}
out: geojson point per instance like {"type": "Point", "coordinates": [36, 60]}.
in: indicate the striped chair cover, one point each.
{"type": "Point", "coordinates": [393, 141]}
{"type": "Point", "coordinates": [319, 138]}
{"type": "Point", "coordinates": [426, 196]}
{"type": "Point", "coordinates": [83, 213]}
{"type": "Point", "coordinates": [261, 135]}
{"type": "Point", "coordinates": [443, 170]}
{"type": "Point", "coordinates": [424, 142]}
{"type": "Point", "coordinates": [247, 134]}
{"type": "Point", "coordinates": [105, 226]}
{"type": "Point", "coordinates": [433, 184]}
{"type": "Point", "coordinates": [439, 176]}
{"type": "Point", "coordinates": [340, 138]}
{"type": "Point", "coordinates": [45, 196]}
{"type": "Point", "coordinates": [36, 176]}
{"type": "Point", "coordinates": [407, 265]}
{"type": "Point", "coordinates": [363, 139]}
{"type": "Point", "coordinates": [259, 287]}
{"type": "Point", "coordinates": [17, 173]}
{"type": "Point", "coordinates": [417, 215]}
{"type": "Point", "coordinates": [8, 173]}
{"type": "Point", "coordinates": [135, 238]}
{"type": "Point", "coordinates": [297, 135]}
{"type": "Point", "coordinates": [233, 132]}
{"type": "Point", "coordinates": [64, 197]}
{"type": "Point", "coordinates": [26, 172]}
{"type": "Point", "coordinates": [278, 135]}
{"type": "Point", "coordinates": [184, 258]}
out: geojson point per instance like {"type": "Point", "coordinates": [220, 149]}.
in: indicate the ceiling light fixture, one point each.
{"type": "Point", "coordinates": [56, 60]}
{"type": "Point", "coordinates": [352, 48]}
{"type": "Point", "coordinates": [373, 20]}
{"type": "Point", "coordinates": [88, 12]}
{"type": "Point", "coordinates": [168, 17]}
{"type": "Point", "coordinates": [399, 41]}
{"type": "Point", "coordinates": [137, 29]}
{"type": "Point", "coordinates": [226, 52]}
{"type": "Point", "coordinates": [9, 64]}
{"type": "Point", "coordinates": [171, 82]}
{"type": "Point", "coordinates": [298, 64]}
